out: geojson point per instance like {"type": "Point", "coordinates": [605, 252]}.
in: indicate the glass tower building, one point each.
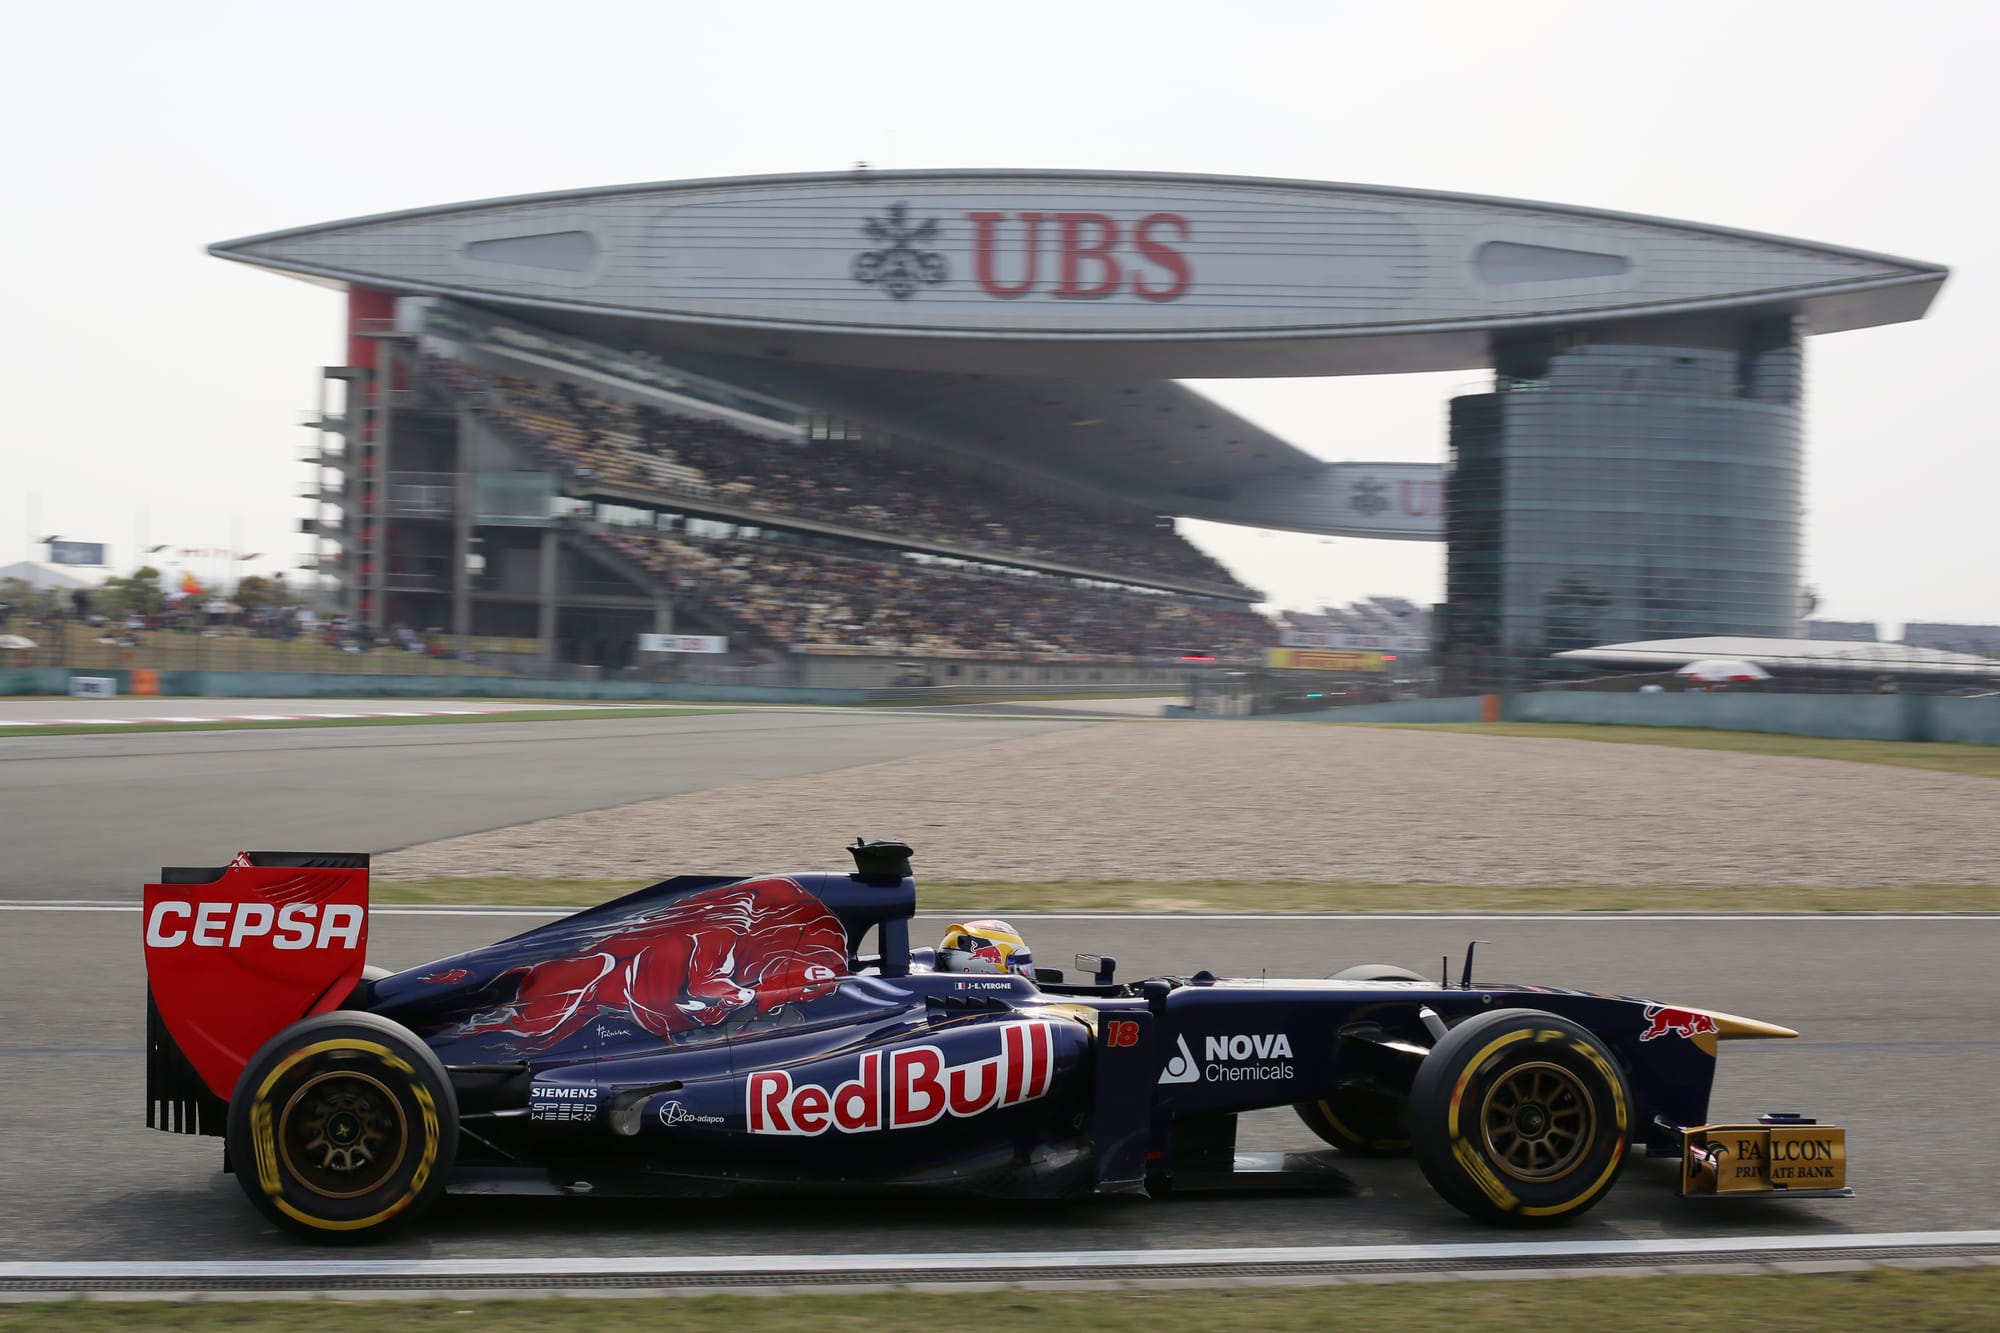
{"type": "Point", "coordinates": [1636, 483]}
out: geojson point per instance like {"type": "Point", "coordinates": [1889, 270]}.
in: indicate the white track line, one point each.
{"type": "Point", "coordinates": [455, 710]}
{"type": "Point", "coordinates": [678, 1265]}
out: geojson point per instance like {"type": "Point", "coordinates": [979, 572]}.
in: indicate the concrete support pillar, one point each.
{"type": "Point", "coordinates": [384, 388]}
{"type": "Point", "coordinates": [461, 534]}
{"type": "Point", "coordinates": [546, 588]}
{"type": "Point", "coordinates": [663, 615]}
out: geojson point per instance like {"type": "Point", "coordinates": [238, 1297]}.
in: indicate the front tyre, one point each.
{"type": "Point", "coordinates": [1360, 1116]}
{"type": "Point", "coordinates": [1520, 1118]}
{"type": "Point", "coordinates": [1360, 1120]}
{"type": "Point", "coordinates": [343, 1127]}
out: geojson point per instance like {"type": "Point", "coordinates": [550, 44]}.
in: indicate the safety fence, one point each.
{"type": "Point", "coordinates": [1884, 717]}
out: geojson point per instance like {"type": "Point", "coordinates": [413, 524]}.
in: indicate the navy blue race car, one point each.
{"type": "Point", "coordinates": [712, 1034]}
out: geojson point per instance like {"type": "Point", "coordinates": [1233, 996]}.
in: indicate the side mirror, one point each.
{"type": "Point", "coordinates": [1098, 965]}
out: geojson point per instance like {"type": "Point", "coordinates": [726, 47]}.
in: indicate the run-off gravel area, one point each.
{"type": "Point", "coordinates": [1286, 801]}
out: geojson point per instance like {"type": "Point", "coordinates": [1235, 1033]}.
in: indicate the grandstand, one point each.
{"type": "Point", "coordinates": [968, 387]}
{"type": "Point", "coordinates": [608, 494]}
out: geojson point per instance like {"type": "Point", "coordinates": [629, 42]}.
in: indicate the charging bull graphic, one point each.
{"type": "Point", "coordinates": [743, 948]}
{"type": "Point", "coordinates": [1662, 1021]}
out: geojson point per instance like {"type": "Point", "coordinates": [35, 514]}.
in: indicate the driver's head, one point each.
{"type": "Point", "coordinates": [985, 946]}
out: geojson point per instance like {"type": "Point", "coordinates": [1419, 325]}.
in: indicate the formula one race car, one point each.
{"type": "Point", "coordinates": [712, 1034]}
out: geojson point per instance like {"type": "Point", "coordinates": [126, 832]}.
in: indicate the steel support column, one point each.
{"type": "Point", "coordinates": [461, 534]}
{"type": "Point", "coordinates": [546, 590]}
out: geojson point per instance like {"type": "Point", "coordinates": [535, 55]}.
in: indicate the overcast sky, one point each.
{"type": "Point", "coordinates": [151, 392]}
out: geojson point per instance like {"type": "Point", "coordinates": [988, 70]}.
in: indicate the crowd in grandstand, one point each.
{"type": "Point", "coordinates": [875, 490]}
{"type": "Point", "coordinates": [803, 597]}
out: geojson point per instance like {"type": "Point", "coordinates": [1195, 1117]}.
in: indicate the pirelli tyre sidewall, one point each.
{"type": "Point", "coordinates": [343, 1127]}
{"type": "Point", "coordinates": [1521, 1118]}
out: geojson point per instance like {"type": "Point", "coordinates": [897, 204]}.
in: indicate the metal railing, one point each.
{"type": "Point", "coordinates": [192, 643]}
{"type": "Point", "coordinates": [422, 494]}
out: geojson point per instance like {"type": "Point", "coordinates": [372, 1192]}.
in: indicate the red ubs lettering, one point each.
{"type": "Point", "coordinates": [1420, 499]}
{"type": "Point", "coordinates": [1090, 260]}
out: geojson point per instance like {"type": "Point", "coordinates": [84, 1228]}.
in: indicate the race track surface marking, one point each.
{"type": "Point", "coordinates": [956, 1262]}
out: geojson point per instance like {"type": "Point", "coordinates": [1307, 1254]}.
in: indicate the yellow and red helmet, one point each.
{"type": "Point", "coordinates": [985, 946]}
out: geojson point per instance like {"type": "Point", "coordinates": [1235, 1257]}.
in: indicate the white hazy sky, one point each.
{"type": "Point", "coordinates": [150, 391]}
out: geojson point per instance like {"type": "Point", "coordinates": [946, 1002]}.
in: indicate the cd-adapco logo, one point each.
{"type": "Point", "coordinates": [673, 1113]}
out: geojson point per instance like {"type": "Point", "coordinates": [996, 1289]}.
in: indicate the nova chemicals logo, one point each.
{"type": "Point", "coordinates": [1182, 1068]}
{"type": "Point", "coordinates": [1241, 1057]}
{"type": "Point", "coordinates": [900, 266]}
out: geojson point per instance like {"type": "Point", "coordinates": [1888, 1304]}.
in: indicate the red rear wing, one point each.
{"type": "Point", "coordinates": [236, 954]}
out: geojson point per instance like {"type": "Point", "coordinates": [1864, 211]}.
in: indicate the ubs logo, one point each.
{"type": "Point", "coordinates": [901, 265]}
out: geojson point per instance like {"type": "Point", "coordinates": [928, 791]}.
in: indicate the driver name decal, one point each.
{"type": "Point", "coordinates": [905, 1089]}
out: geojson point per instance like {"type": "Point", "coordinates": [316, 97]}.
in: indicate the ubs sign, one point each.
{"type": "Point", "coordinates": [1066, 256]}
{"type": "Point", "coordinates": [1014, 257]}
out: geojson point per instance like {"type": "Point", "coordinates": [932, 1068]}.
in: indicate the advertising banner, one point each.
{"type": "Point", "coordinates": [683, 643]}
{"type": "Point", "coordinates": [1320, 659]}
{"type": "Point", "coordinates": [76, 553]}
{"type": "Point", "coordinates": [1380, 643]}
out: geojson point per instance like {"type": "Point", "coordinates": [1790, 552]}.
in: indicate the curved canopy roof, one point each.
{"type": "Point", "coordinates": [1792, 655]}
{"type": "Point", "coordinates": [1088, 274]}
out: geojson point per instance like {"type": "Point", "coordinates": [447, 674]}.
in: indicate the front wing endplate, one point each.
{"type": "Point", "coordinates": [1800, 1159]}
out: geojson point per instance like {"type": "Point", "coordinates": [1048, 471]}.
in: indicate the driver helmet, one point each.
{"type": "Point", "coordinates": [985, 946]}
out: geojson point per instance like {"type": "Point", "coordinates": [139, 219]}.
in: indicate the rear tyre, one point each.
{"type": "Point", "coordinates": [343, 1127]}
{"type": "Point", "coordinates": [1520, 1118]}
{"type": "Point", "coordinates": [364, 989]}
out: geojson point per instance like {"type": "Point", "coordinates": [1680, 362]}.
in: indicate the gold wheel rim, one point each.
{"type": "Point", "coordinates": [1537, 1122]}
{"type": "Point", "coordinates": [343, 1134]}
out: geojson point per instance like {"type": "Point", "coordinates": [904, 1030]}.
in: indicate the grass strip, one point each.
{"type": "Point", "coordinates": [1277, 896]}
{"type": "Point", "coordinates": [1942, 756]}
{"type": "Point", "coordinates": [1888, 1300]}
{"type": "Point", "coordinates": [445, 719]}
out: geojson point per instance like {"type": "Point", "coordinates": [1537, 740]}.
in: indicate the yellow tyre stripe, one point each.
{"type": "Point", "coordinates": [1471, 1068]}
{"type": "Point", "coordinates": [1555, 1209]}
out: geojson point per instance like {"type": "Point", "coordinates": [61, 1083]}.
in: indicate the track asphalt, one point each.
{"type": "Point", "coordinates": [94, 816]}
{"type": "Point", "coordinates": [1900, 1039]}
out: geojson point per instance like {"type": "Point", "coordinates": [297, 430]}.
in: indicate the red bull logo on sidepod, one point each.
{"type": "Point", "coordinates": [905, 1089]}
{"type": "Point", "coordinates": [1662, 1021]}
